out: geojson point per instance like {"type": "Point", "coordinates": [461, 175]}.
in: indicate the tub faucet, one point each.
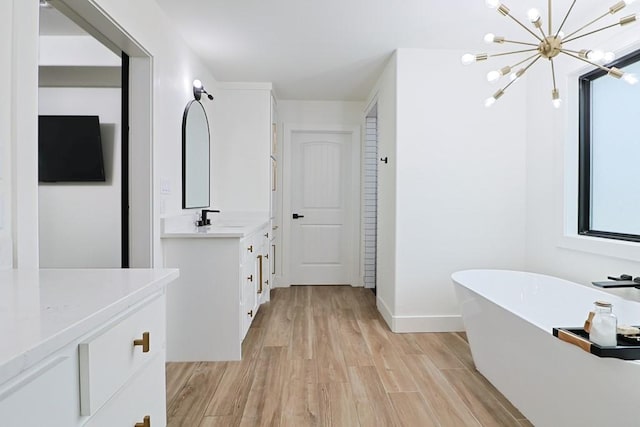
{"type": "Point", "coordinates": [624, 281]}
{"type": "Point", "coordinates": [203, 217]}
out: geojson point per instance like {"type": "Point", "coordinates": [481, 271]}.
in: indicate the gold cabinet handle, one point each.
{"type": "Point", "coordinates": [250, 278]}
{"type": "Point", "coordinates": [145, 423]}
{"type": "Point", "coordinates": [144, 342]}
{"type": "Point", "coordinates": [250, 248]}
{"type": "Point", "coordinates": [260, 267]}
{"type": "Point", "coordinates": [250, 313]}
{"type": "Point", "coordinates": [273, 269]}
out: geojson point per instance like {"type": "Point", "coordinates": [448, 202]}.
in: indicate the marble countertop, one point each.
{"type": "Point", "coordinates": [232, 225]}
{"type": "Point", "coordinates": [43, 310]}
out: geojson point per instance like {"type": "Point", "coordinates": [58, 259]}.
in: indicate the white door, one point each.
{"type": "Point", "coordinates": [321, 199]}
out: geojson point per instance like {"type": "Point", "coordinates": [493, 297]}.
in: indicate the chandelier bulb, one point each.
{"type": "Point", "coordinates": [628, 2]}
{"type": "Point", "coordinates": [493, 4]}
{"type": "Point", "coordinates": [630, 78]}
{"type": "Point", "coordinates": [533, 15]}
{"type": "Point", "coordinates": [595, 55]}
{"type": "Point", "coordinates": [468, 58]}
{"type": "Point", "coordinates": [609, 56]}
{"type": "Point", "coordinates": [493, 76]}
{"type": "Point", "coordinates": [489, 102]}
{"type": "Point", "coordinates": [197, 84]}
{"type": "Point", "coordinates": [555, 98]}
{"type": "Point", "coordinates": [489, 38]}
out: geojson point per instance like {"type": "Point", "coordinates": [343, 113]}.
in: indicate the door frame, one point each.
{"type": "Point", "coordinates": [143, 228]}
{"type": "Point", "coordinates": [356, 278]}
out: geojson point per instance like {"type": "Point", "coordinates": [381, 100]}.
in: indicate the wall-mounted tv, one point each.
{"type": "Point", "coordinates": [69, 149]}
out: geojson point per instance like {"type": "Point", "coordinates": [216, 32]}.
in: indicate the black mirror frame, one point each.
{"type": "Point", "coordinates": [184, 156]}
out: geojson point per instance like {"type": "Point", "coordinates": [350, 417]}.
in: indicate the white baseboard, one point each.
{"type": "Point", "coordinates": [416, 324]}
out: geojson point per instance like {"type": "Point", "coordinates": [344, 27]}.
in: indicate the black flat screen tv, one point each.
{"type": "Point", "coordinates": [69, 149]}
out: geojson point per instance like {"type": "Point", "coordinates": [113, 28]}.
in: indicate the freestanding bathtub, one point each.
{"type": "Point", "coordinates": [509, 317]}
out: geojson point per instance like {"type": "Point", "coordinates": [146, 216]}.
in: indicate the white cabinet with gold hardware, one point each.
{"type": "Point", "coordinates": [69, 357]}
{"type": "Point", "coordinates": [221, 285]}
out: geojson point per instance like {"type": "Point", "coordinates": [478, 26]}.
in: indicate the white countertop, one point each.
{"type": "Point", "coordinates": [43, 310]}
{"type": "Point", "coordinates": [231, 225]}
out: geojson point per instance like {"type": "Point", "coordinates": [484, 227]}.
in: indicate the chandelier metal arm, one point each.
{"type": "Point", "coordinates": [602, 67]}
{"type": "Point", "coordinates": [549, 16]}
{"type": "Point", "coordinates": [591, 32]}
{"type": "Point", "coordinates": [587, 25]}
{"type": "Point", "coordinates": [512, 52]}
{"type": "Point", "coordinates": [524, 70]}
{"type": "Point", "coordinates": [524, 60]}
{"type": "Point", "coordinates": [517, 42]}
{"type": "Point", "coordinates": [565, 17]}
{"type": "Point", "coordinates": [525, 27]}
{"type": "Point", "coordinates": [553, 75]}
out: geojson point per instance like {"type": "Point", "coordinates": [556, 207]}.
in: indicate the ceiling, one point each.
{"type": "Point", "coordinates": [336, 49]}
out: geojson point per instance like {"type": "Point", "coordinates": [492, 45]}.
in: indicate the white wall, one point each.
{"type": "Point", "coordinates": [460, 186]}
{"type": "Point", "coordinates": [552, 140]}
{"type": "Point", "coordinates": [6, 241]}
{"type": "Point", "coordinates": [385, 93]}
{"type": "Point", "coordinates": [320, 112]}
{"type": "Point", "coordinates": [80, 223]}
{"type": "Point", "coordinates": [174, 67]}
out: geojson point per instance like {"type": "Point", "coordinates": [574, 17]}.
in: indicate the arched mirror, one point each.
{"type": "Point", "coordinates": [195, 156]}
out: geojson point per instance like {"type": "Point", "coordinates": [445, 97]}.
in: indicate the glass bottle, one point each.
{"type": "Point", "coordinates": [603, 325]}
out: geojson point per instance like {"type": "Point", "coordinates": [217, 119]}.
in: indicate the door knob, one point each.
{"type": "Point", "coordinates": [296, 216]}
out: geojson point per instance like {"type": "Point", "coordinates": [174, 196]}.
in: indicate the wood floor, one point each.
{"type": "Point", "coordinates": [321, 356]}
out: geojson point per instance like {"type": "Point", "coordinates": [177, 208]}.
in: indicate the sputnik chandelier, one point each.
{"type": "Point", "coordinates": [548, 46]}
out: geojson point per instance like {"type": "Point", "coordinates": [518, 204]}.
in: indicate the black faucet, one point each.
{"type": "Point", "coordinates": [624, 281]}
{"type": "Point", "coordinates": [203, 217]}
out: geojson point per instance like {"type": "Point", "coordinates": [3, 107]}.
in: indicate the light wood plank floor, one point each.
{"type": "Point", "coordinates": [321, 356]}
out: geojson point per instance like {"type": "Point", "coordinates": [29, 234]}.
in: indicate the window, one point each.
{"type": "Point", "coordinates": [609, 183]}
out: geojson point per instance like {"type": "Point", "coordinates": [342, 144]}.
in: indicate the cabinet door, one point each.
{"type": "Point", "coordinates": [47, 396]}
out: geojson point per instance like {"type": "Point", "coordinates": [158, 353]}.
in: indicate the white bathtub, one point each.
{"type": "Point", "coordinates": [509, 317]}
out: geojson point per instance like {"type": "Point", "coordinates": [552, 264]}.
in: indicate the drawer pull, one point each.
{"type": "Point", "coordinates": [250, 278]}
{"type": "Point", "coordinates": [250, 313]}
{"type": "Point", "coordinates": [266, 235]}
{"type": "Point", "coordinates": [145, 423]}
{"type": "Point", "coordinates": [266, 256]}
{"type": "Point", "coordinates": [144, 342]}
{"type": "Point", "coordinates": [250, 248]}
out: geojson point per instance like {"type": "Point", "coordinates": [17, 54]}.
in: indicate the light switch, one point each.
{"type": "Point", "coordinates": [165, 186]}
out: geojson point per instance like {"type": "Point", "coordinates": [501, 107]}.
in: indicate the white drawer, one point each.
{"type": "Point", "coordinates": [44, 396]}
{"type": "Point", "coordinates": [110, 358]}
{"type": "Point", "coordinates": [142, 396]}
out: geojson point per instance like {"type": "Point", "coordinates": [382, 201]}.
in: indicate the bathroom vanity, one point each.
{"type": "Point", "coordinates": [224, 277]}
{"type": "Point", "coordinates": [83, 347]}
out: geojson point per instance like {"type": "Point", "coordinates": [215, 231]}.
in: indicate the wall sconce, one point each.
{"type": "Point", "coordinates": [198, 90]}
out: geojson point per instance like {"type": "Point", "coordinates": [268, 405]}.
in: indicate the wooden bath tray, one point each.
{"type": "Point", "coordinates": [578, 336]}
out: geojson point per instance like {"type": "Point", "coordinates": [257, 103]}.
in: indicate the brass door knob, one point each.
{"type": "Point", "coordinates": [146, 422]}
{"type": "Point", "coordinates": [144, 342]}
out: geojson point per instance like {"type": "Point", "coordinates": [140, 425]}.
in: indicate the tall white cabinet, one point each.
{"type": "Point", "coordinates": [246, 160]}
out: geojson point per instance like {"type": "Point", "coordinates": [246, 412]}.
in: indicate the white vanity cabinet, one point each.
{"type": "Point", "coordinates": [220, 289]}
{"type": "Point", "coordinates": [83, 348]}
